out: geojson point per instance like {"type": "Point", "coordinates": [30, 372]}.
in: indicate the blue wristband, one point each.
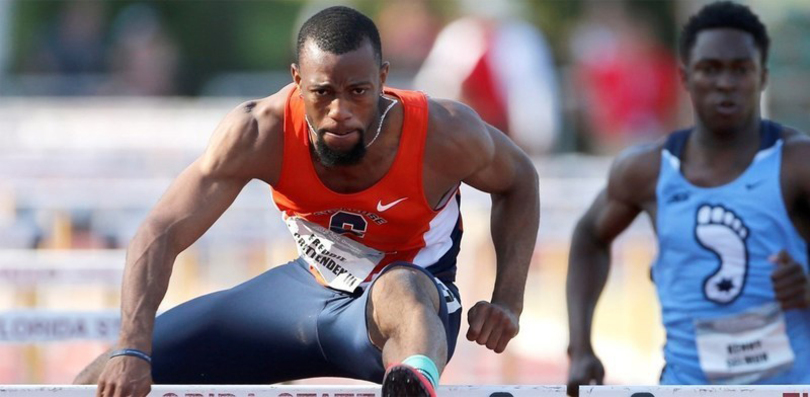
{"type": "Point", "coordinates": [133, 353]}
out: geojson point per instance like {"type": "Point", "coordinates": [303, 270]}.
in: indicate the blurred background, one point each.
{"type": "Point", "coordinates": [103, 103]}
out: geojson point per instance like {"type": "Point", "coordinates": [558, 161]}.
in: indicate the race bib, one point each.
{"type": "Point", "coordinates": [745, 347]}
{"type": "Point", "coordinates": [341, 263]}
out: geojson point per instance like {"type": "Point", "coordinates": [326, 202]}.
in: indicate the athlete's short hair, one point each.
{"type": "Point", "coordinates": [724, 14]}
{"type": "Point", "coordinates": [339, 30]}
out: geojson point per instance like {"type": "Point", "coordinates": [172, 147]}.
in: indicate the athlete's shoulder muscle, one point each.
{"type": "Point", "coordinates": [634, 174]}
{"type": "Point", "coordinates": [248, 142]}
{"type": "Point", "coordinates": [796, 169]}
{"type": "Point", "coordinates": [458, 142]}
{"type": "Point", "coordinates": [630, 190]}
{"type": "Point", "coordinates": [797, 147]}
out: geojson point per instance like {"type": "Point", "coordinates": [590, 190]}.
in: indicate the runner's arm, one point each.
{"type": "Point", "coordinates": [804, 209]}
{"type": "Point", "coordinates": [631, 184]}
{"type": "Point", "coordinates": [463, 148]}
{"type": "Point", "coordinates": [511, 179]}
{"type": "Point", "coordinates": [193, 202]}
{"type": "Point", "coordinates": [589, 261]}
{"type": "Point", "coordinates": [790, 281]}
{"type": "Point", "coordinates": [630, 189]}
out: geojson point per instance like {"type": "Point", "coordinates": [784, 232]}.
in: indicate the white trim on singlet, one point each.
{"type": "Point", "coordinates": [768, 151]}
{"type": "Point", "coordinates": [673, 160]}
{"type": "Point", "coordinates": [438, 239]}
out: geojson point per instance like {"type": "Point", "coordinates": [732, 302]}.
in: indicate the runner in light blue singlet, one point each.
{"type": "Point", "coordinates": [729, 200]}
{"type": "Point", "coordinates": [723, 322]}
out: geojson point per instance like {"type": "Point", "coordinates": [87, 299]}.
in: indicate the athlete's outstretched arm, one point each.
{"type": "Point", "coordinates": [193, 202]}
{"type": "Point", "coordinates": [589, 261]}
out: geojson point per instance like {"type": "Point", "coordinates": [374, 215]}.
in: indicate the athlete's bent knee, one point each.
{"type": "Point", "coordinates": [405, 283]}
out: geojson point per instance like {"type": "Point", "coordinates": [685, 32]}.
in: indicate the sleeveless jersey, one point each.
{"type": "Point", "coordinates": [348, 238]}
{"type": "Point", "coordinates": [712, 274]}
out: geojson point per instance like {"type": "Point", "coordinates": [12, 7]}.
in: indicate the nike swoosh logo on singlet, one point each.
{"type": "Point", "coordinates": [752, 185]}
{"type": "Point", "coordinates": [385, 207]}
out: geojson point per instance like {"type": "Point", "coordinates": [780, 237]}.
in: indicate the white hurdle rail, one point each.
{"type": "Point", "coordinates": [31, 268]}
{"type": "Point", "coordinates": [284, 391]}
{"type": "Point", "coordinates": [442, 391]}
{"type": "Point", "coordinates": [695, 391]}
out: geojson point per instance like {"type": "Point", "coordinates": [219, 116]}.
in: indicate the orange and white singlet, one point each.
{"type": "Point", "coordinates": [348, 238]}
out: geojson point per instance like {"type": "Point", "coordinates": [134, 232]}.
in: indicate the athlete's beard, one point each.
{"type": "Point", "coordinates": [331, 158]}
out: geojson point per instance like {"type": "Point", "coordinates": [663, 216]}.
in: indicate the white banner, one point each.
{"type": "Point", "coordinates": [36, 326]}
{"type": "Point", "coordinates": [684, 391]}
{"type": "Point", "coordinates": [284, 391]}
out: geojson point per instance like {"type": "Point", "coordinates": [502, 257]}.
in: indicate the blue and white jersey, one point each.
{"type": "Point", "coordinates": [712, 274]}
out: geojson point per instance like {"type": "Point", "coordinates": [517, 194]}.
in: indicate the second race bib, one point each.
{"type": "Point", "coordinates": [745, 347]}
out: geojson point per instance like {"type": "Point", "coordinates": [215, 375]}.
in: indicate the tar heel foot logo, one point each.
{"type": "Point", "coordinates": [724, 233]}
{"type": "Point", "coordinates": [385, 207]}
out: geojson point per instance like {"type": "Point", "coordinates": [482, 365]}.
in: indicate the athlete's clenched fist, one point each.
{"type": "Point", "coordinates": [492, 325]}
{"type": "Point", "coordinates": [585, 369]}
{"type": "Point", "coordinates": [125, 377]}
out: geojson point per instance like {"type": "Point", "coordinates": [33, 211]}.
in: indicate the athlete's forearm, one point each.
{"type": "Point", "coordinates": [193, 202]}
{"type": "Point", "coordinates": [588, 265]}
{"type": "Point", "coordinates": [146, 278]}
{"type": "Point", "coordinates": [515, 219]}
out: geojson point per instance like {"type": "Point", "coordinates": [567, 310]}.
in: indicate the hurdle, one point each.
{"type": "Point", "coordinates": [29, 274]}
{"type": "Point", "coordinates": [32, 268]}
{"type": "Point", "coordinates": [284, 391]}
{"type": "Point", "coordinates": [38, 326]}
{"type": "Point", "coordinates": [28, 271]}
{"type": "Point", "coordinates": [442, 391]}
